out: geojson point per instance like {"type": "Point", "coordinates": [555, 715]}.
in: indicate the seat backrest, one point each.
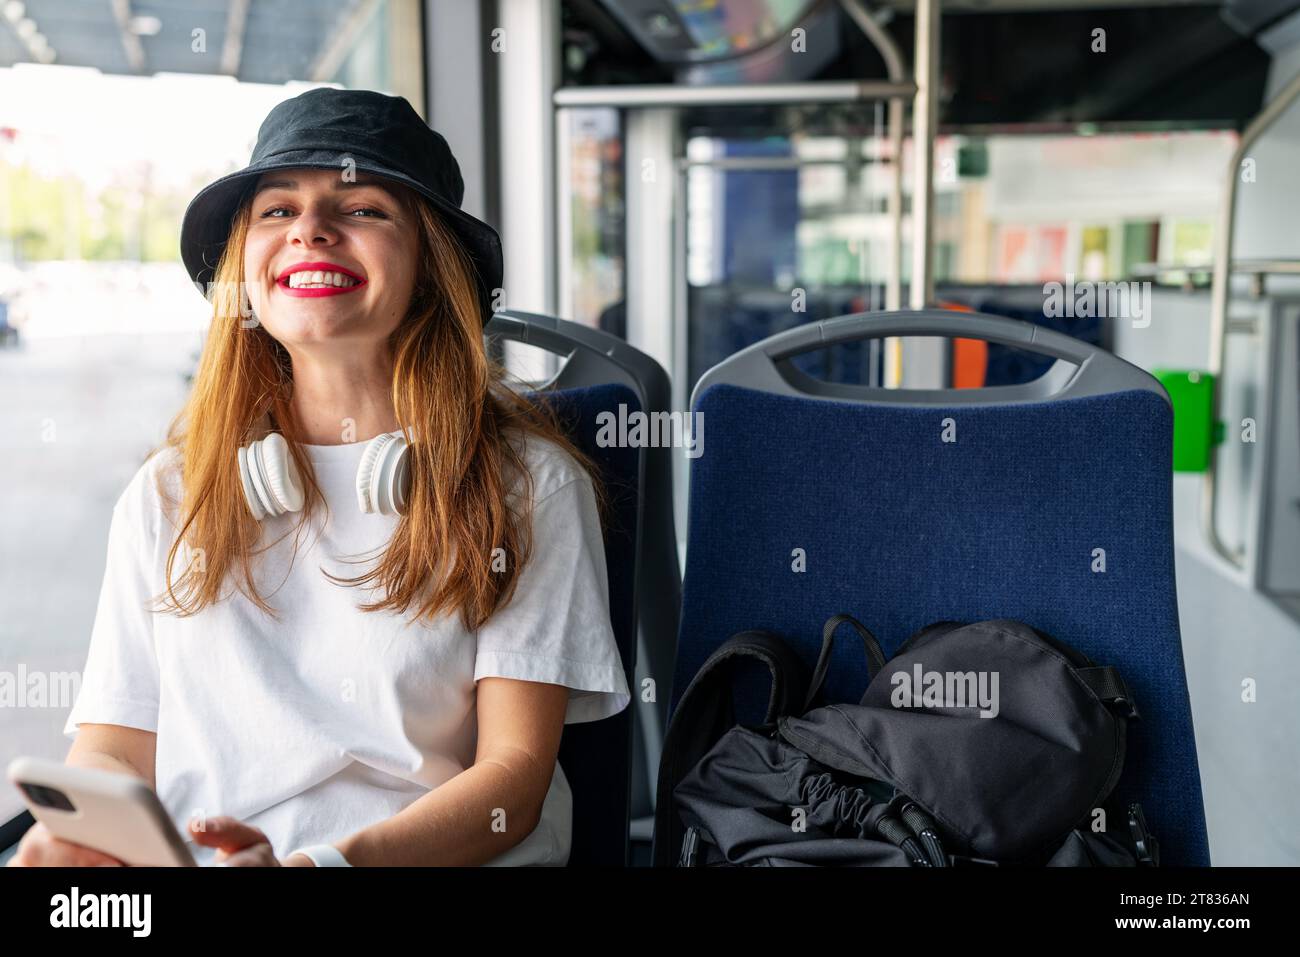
{"type": "Point", "coordinates": [602, 374]}
{"type": "Point", "coordinates": [597, 756]}
{"type": "Point", "coordinates": [1048, 502]}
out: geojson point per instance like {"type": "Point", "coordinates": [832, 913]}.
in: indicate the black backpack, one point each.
{"type": "Point", "coordinates": [977, 744]}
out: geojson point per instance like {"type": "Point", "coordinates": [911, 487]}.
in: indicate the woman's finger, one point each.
{"type": "Point", "coordinates": [259, 855]}
{"type": "Point", "coordinates": [40, 848]}
{"type": "Point", "coordinates": [225, 833]}
{"type": "Point", "coordinates": [82, 856]}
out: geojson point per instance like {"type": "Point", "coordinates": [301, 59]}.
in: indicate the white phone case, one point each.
{"type": "Point", "coordinates": [116, 814]}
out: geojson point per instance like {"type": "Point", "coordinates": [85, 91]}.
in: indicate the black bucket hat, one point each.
{"type": "Point", "coordinates": [325, 129]}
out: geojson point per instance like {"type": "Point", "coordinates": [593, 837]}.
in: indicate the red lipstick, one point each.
{"type": "Point", "coordinates": [283, 280]}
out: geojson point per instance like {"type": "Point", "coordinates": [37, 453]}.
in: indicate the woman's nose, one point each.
{"type": "Point", "coordinates": [312, 228]}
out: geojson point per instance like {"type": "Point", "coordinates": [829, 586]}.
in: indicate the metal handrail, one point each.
{"type": "Point", "coordinates": [1256, 269]}
{"type": "Point", "coordinates": [925, 118]}
{"type": "Point", "coordinates": [1161, 269]}
{"type": "Point", "coordinates": [1267, 267]}
{"type": "Point", "coordinates": [1262, 267]}
{"type": "Point", "coordinates": [668, 94]}
{"type": "Point", "coordinates": [1219, 303]}
{"type": "Point", "coordinates": [896, 70]}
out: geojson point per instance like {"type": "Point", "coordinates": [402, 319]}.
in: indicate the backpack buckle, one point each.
{"type": "Point", "coordinates": [1145, 845]}
{"type": "Point", "coordinates": [690, 848]}
{"type": "Point", "coordinates": [1126, 707]}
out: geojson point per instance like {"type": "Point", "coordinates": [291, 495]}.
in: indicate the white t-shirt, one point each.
{"type": "Point", "coordinates": [332, 718]}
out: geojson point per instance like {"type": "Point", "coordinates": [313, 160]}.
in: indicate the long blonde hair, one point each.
{"type": "Point", "coordinates": [446, 391]}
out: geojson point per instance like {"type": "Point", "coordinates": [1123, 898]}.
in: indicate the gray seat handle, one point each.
{"type": "Point", "coordinates": [1080, 369]}
{"type": "Point", "coordinates": [532, 329]}
{"type": "Point", "coordinates": [591, 357]}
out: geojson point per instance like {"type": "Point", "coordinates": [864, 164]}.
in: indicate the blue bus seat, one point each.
{"type": "Point", "coordinates": [607, 764]}
{"type": "Point", "coordinates": [901, 528]}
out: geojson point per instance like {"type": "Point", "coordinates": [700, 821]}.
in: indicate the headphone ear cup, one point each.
{"type": "Point", "coordinates": [401, 475]}
{"type": "Point", "coordinates": [251, 497]}
{"type": "Point", "coordinates": [282, 474]}
{"type": "Point", "coordinates": [383, 477]}
{"type": "Point", "coordinates": [268, 472]}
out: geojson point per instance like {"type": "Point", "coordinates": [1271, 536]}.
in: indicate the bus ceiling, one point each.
{"type": "Point", "coordinates": [1005, 64]}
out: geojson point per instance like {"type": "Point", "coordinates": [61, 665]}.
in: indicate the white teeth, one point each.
{"type": "Point", "coordinates": [319, 280]}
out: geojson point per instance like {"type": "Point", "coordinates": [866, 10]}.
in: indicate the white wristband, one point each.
{"type": "Point", "coordinates": [323, 855]}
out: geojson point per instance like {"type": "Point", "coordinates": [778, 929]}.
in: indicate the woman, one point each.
{"type": "Point", "coordinates": [409, 713]}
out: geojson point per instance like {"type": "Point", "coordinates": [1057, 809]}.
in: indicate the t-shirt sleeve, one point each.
{"type": "Point", "coordinates": [119, 684]}
{"type": "Point", "coordinates": [556, 628]}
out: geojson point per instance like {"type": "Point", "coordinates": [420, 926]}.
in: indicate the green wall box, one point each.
{"type": "Point", "coordinates": [1192, 395]}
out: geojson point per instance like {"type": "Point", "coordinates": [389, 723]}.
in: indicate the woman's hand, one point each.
{"type": "Point", "coordinates": [239, 845]}
{"type": "Point", "coordinates": [40, 848]}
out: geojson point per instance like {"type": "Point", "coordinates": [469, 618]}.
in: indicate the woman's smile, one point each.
{"type": "Point", "coordinates": [310, 280]}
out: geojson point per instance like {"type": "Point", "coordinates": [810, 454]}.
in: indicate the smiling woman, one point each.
{"type": "Point", "coordinates": [334, 716]}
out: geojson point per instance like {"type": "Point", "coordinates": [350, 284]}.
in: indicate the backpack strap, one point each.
{"type": "Point", "coordinates": [1109, 685]}
{"type": "Point", "coordinates": [875, 657]}
{"type": "Point", "coordinates": [706, 712]}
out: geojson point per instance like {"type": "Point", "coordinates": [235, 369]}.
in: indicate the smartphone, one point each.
{"type": "Point", "coordinates": [116, 814]}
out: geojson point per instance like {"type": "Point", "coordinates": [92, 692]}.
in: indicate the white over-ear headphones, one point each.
{"type": "Point", "coordinates": [272, 485]}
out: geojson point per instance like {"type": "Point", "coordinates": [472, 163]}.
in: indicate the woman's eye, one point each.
{"type": "Point", "coordinates": [277, 209]}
